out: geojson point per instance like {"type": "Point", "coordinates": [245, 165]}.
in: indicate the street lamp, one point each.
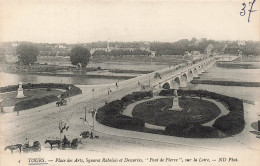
{"type": "Point", "coordinates": [93, 90]}
{"type": "Point", "coordinates": [93, 111]}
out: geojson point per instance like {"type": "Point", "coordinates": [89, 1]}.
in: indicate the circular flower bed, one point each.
{"type": "Point", "coordinates": [194, 111]}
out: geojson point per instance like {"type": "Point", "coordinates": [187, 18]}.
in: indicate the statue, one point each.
{"type": "Point", "coordinates": [175, 102]}
{"type": "Point", "coordinates": [175, 93]}
{"type": "Point", "coordinates": [20, 91]}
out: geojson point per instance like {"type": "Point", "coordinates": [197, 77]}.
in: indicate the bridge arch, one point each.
{"type": "Point", "coordinates": [166, 85]}
{"type": "Point", "coordinates": [195, 72]}
{"type": "Point", "coordinates": [190, 75]}
{"type": "Point", "coordinates": [175, 83]}
{"type": "Point", "coordinates": [184, 80]}
{"type": "Point", "coordinates": [199, 69]}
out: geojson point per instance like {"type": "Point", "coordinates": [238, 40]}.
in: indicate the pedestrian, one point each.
{"type": "Point", "coordinates": [91, 135]}
{"type": "Point", "coordinates": [65, 140]}
{"type": "Point", "coordinates": [26, 143]}
{"type": "Point", "coordinates": [80, 138]}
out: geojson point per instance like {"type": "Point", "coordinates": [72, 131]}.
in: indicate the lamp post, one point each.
{"type": "Point", "coordinates": [85, 114]}
{"type": "Point", "coordinates": [149, 81]}
{"type": "Point", "coordinates": [93, 97]}
{"type": "Point", "coordinates": [93, 111]}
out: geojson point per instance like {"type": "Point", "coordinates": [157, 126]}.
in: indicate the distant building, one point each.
{"type": "Point", "coordinates": [208, 49]}
{"type": "Point", "coordinates": [62, 46]}
{"type": "Point", "coordinates": [153, 53]}
{"type": "Point", "coordinates": [144, 47]}
{"type": "Point", "coordinates": [193, 55]}
{"type": "Point", "coordinates": [241, 43]}
{"type": "Point", "coordinates": [15, 44]}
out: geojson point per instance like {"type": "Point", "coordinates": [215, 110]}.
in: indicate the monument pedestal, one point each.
{"type": "Point", "coordinates": [20, 91]}
{"type": "Point", "coordinates": [175, 105]}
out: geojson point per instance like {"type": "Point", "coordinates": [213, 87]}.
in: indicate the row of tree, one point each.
{"type": "Point", "coordinates": [121, 52]}
{"type": "Point", "coordinates": [227, 47]}
{"type": "Point", "coordinates": [27, 54]}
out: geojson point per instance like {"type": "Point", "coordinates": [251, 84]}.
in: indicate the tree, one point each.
{"type": "Point", "coordinates": [27, 53]}
{"type": "Point", "coordinates": [80, 55]}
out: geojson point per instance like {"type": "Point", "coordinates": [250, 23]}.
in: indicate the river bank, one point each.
{"type": "Point", "coordinates": [226, 83]}
{"type": "Point", "coordinates": [89, 75]}
{"type": "Point", "coordinates": [238, 65]}
{"type": "Point", "coordinates": [68, 71]}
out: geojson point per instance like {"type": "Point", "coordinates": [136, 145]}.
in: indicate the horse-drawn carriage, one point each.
{"type": "Point", "coordinates": [73, 144]}
{"type": "Point", "coordinates": [61, 102]}
{"type": "Point", "coordinates": [34, 148]}
{"type": "Point", "coordinates": [65, 143]}
{"type": "Point", "coordinates": [25, 148]}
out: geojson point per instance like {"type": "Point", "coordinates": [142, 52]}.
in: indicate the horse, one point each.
{"type": "Point", "coordinates": [13, 147]}
{"type": "Point", "coordinates": [53, 142]}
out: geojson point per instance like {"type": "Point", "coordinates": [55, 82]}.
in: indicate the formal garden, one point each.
{"type": "Point", "coordinates": [186, 123]}
{"type": "Point", "coordinates": [36, 95]}
{"type": "Point", "coordinates": [193, 111]}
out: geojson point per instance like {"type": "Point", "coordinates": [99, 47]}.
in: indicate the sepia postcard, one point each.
{"type": "Point", "coordinates": [129, 82]}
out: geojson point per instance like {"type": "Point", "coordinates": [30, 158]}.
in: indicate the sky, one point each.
{"type": "Point", "coordinates": [67, 21]}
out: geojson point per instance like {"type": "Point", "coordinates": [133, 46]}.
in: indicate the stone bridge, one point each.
{"type": "Point", "coordinates": [180, 75]}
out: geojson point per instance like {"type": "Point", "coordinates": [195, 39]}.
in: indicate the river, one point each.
{"type": "Point", "coordinates": [214, 73]}
{"type": "Point", "coordinates": [14, 79]}
{"type": "Point", "coordinates": [218, 73]}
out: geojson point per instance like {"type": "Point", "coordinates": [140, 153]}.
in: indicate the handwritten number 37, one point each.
{"type": "Point", "coordinates": [243, 11]}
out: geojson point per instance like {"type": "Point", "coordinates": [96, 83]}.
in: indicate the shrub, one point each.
{"type": "Point", "coordinates": [191, 130]}
{"type": "Point", "coordinates": [109, 115]}
{"type": "Point", "coordinates": [27, 104]}
{"type": "Point", "coordinates": [136, 96]}
{"type": "Point", "coordinates": [124, 122]}
{"type": "Point", "coordinates": [9, 88]}
{"type": "Point", "coordinates": [230, 124]}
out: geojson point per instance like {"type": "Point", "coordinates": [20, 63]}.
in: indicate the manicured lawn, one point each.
{"type": "Point", "coordinates": [10, 100]}
{"type": "Point", "coordinates": [194, 110]}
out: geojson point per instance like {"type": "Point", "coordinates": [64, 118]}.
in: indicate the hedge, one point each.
{"type": "Point", "coordinates": [230, 124]}
{"type": "Point", "coordinates": [191, 130]}
{"type": "Point", "coordinates": [109, 114]}
{"type": "Point", "coordinates": [27, 104]}
{"type": "Point", "coordinates": [135, 96]}
{"type": "Point", "coordinates": [124, 122]}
